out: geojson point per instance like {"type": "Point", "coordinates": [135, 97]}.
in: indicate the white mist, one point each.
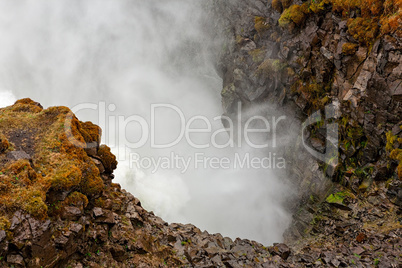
{"type": "Point", "coordinates": [129, 55]}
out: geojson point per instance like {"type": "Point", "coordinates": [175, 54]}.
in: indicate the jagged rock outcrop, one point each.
{"type": "Point", "coordinates": [300, 56]}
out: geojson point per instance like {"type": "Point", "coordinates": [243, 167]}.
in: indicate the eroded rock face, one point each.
{"type": "Point", "coordinates": [299, 70]}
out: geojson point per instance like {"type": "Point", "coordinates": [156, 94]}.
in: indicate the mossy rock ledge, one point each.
{"type": "Point", "coordinates": [59, 207]}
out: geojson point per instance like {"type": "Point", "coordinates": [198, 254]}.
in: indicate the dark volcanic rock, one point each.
{"type": "Point", "coordinates": [365, 82]}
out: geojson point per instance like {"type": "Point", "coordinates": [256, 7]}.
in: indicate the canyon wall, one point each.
{"type": "Point", "coordinates": [305, 57]}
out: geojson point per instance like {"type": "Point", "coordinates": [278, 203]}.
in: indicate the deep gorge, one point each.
{"type": "Point", "coordinates": [261, 59]}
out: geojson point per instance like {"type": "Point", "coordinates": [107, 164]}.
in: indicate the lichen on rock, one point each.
{"type": "Point", "coordinates": [56, 164]}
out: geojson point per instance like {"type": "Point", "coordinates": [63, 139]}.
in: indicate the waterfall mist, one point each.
{"type": "Point", "coordinates": [128, 55]}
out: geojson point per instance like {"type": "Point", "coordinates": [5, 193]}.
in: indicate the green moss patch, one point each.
{"type": "Point", "coordinates": [339, 198]}
{"type": "Point", "coordinates": [56, 141]}
{"type": "Point", "coordinates": [292, 17]}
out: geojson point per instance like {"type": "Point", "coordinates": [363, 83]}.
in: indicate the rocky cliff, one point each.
{"type": "Point", "coordinates": [300, 57]}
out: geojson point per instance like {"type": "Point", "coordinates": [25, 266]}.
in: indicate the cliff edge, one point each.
{"type": "Point", "coordinates": [59, 207]}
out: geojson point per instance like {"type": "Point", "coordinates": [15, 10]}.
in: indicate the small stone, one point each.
{"type": "Point", "coordinates": [118, 253]}
{"type": "Point", "coordinates": [358, 250]}
{"type": "Point", "coordinates": [99, 165]}
{"type": "Point", "coordinates": [16, 220]}
{"type": "Point", "coordinates": [281, 250]}
{"type": "Point", "coordinates": [61, 240]}
{"type": "Point", "coordinates": [108, 217]}
{"type": "Point", "coordinates": [335, 262]}
{"type": "Point", "coordinates": [396, 89]}
{"type": "Point", "coordinates": [38, 227]}
{"type": "Point", "coordinates": [71, 213]}
{"type": "Point", "coordinates": [91, 150]}
{"type": "Point", "coordinates": [17, 155]}
{"type": "Point", "coordinates": [75, 227]}
{"type": "Point", "coordinates": [360, 237]}
{"type": "Point", "coordinates": [318, 144]}
{"type": "Point", "coordinates": [15, 259]}
{"type": "Point", "coordinates": [98, 212]}
{"type": "Point", "coordinates": [362, 80]}
{"type": "Point", "coordinates": [2, 235]}
{"type": "Point", "coordinates": [326, 53]}
{"type": "Point", "coordinates": [396, 129]}
{"type": "Point", "coordinates": [3, 143]}
{"type": "Point", "coordinates": [249, 45]}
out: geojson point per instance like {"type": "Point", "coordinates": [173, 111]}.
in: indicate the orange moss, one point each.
{"type": "Point", "coordinates": [286, 3]}
{"type": "Point", "coordinates": [72, 132]}
{"type": "Point", "coordinates": [277, 5]}
{"type": "Point", "coordinates": [66, 176]}
{"type": "Point", "coordinates": [317, 6]}
{"type": "Point", "coordinates": [396, 154]}
{"type": "Point", "coordinates": [373, 17]}
{"type": "Point", "coordinates": [4, 223]}
{"type": "Point", "coordinates": [305, 8]}
{"type": "Point", "coordinates": [366, 7]}
{"type": "Point", "coordinates": [21, 168]}
{"type": "Point", "coordinates": [18, 191]}
{"type": "Point", "coordinates": [76, 199]}
{"type": "Point", "coordinates": [59, 161]}
{"type": "Point", "coordinates": [392, 21]}
{"type": "Point", "coordinates": [261, 25]}
{"type": "Point", "coordinates": [387, 12]}
{"type": "Point", "coordinates": [36, 206]}
{"type": "Point", "coordinates": [292, 17]}
{"type": "Point", "coordinates": [363, 30]}
{"type": "Point", "coordinates": [91, 132]}
{"type": "Point", "coordinates": [25, 101]}
{"type": "Point", "coordinates": [258, 54]}
{"type": "Point", "coordinates": [91, 184]}
{"type": "Point", "coordinates": [315, 93]}
{"type": "Point", "coordinates": [349, 48]}
{"type": "Point", "coordinates": [107, 158]}
{"type": "Point", "coordinates": [99, 202]}
{"type": "Point", "coordinates": [4, 144]}
{"type": "Point", "coordinates": [26, 105]}
{"type": "Point", "coordinates": [79, 170]}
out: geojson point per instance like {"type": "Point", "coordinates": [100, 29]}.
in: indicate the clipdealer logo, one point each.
{"type": "Point", "coordinates": [202, 160]}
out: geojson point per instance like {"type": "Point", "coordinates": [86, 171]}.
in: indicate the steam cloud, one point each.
{"type": "Point", "coordinates": [132, 54]}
